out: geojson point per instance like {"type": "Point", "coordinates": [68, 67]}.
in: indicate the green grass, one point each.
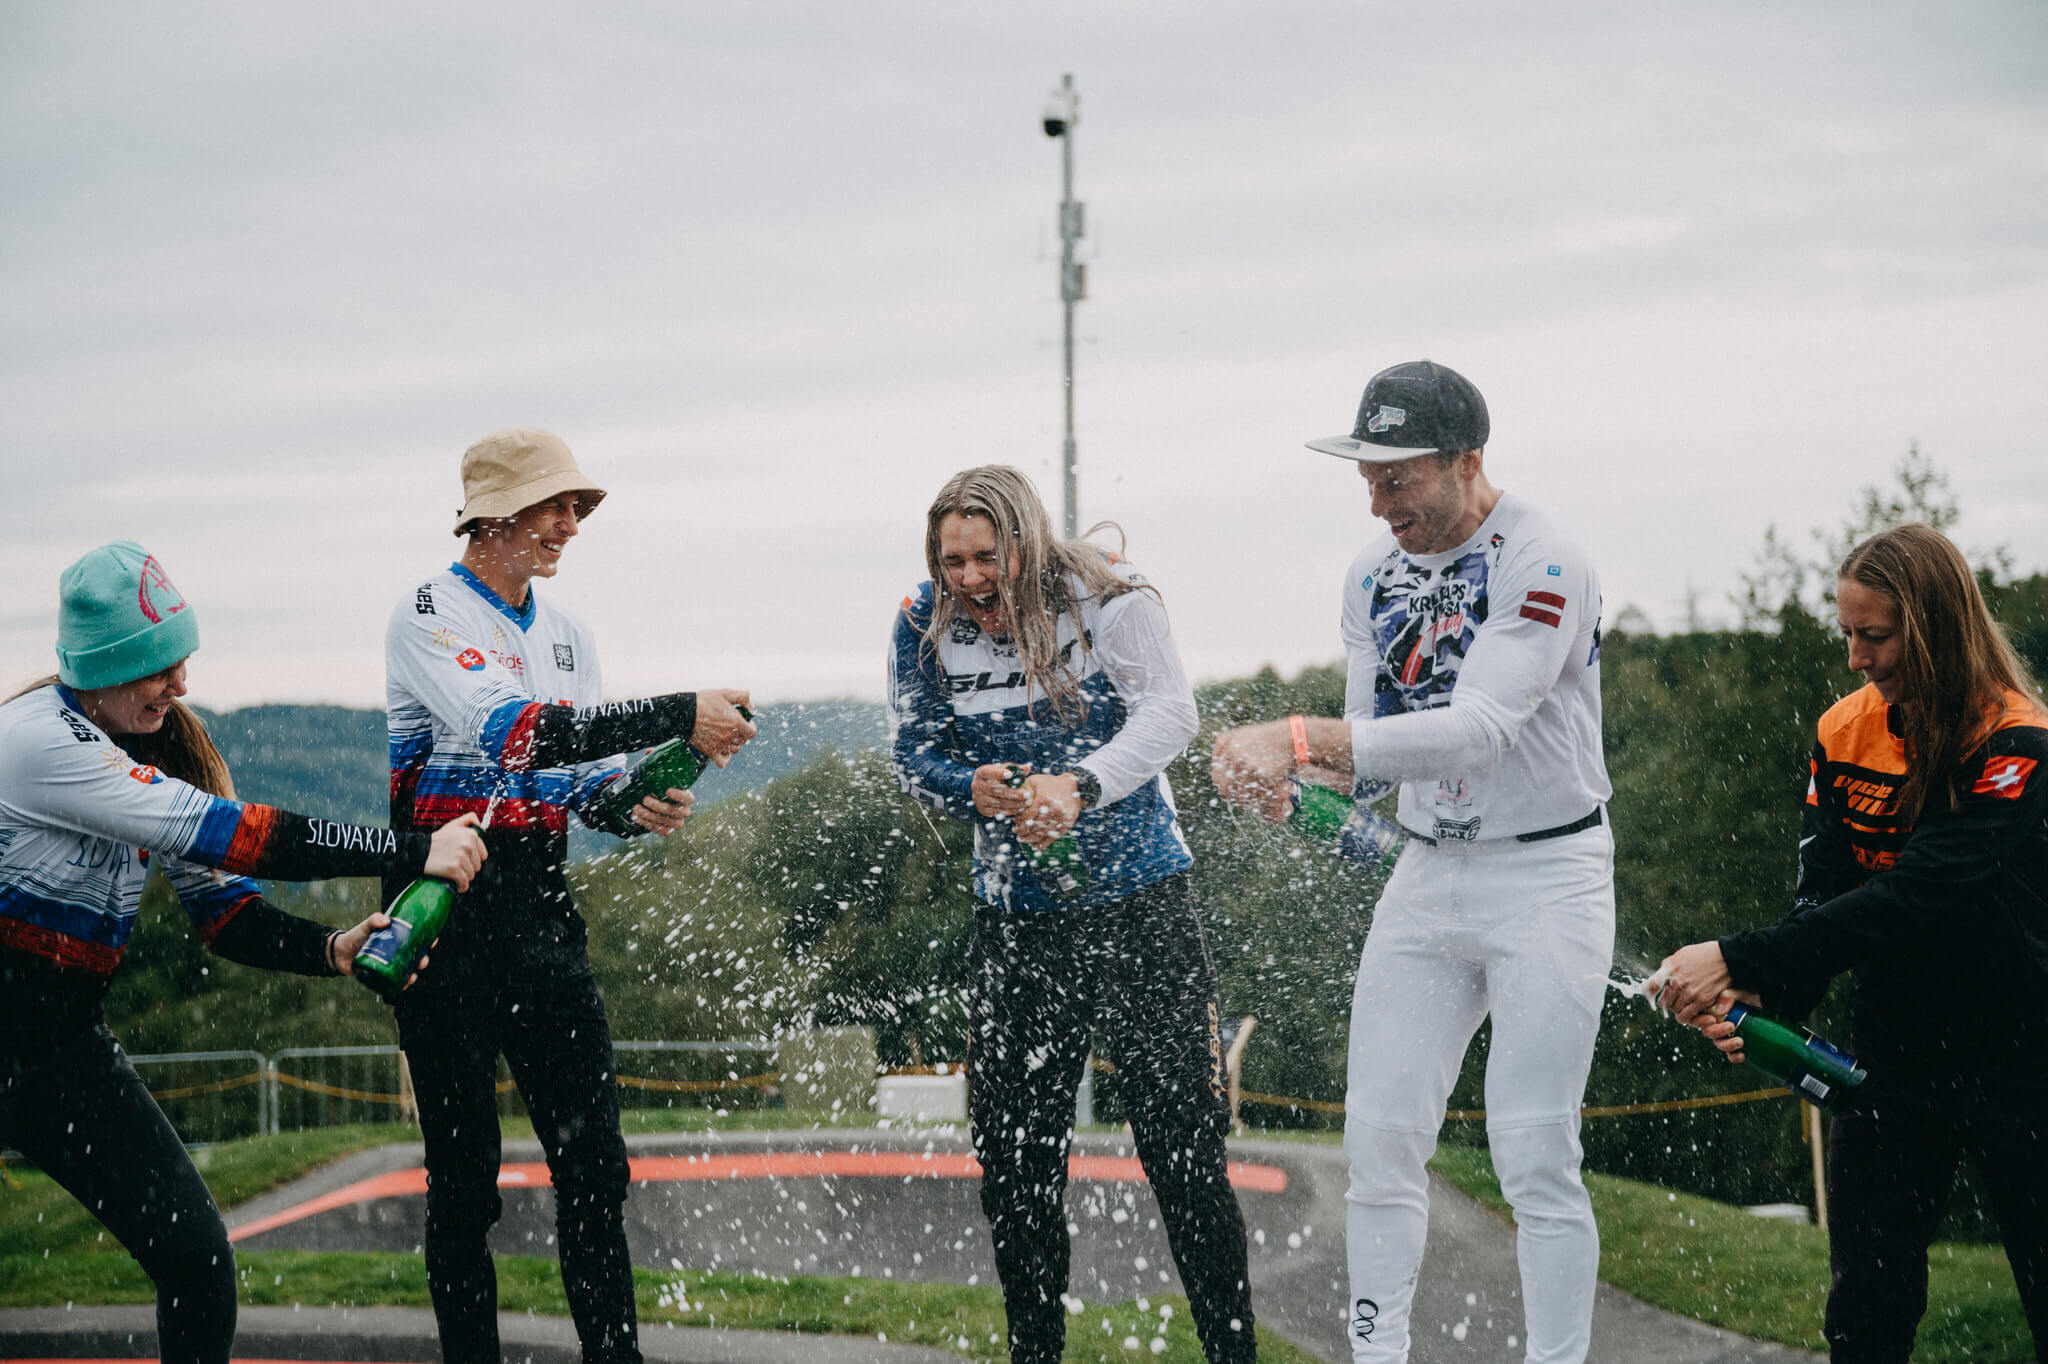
{"type": "Point", "coordinates": [1766, 1279]}
{"type": "Point", "coordinates": [952, 1316]}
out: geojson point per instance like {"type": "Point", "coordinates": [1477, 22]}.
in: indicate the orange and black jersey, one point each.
{"type": "Point", "coordinates": [1944, 921]}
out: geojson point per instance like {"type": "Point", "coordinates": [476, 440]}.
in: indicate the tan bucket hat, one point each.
{"type": "Point", "coordinates": [510, 470]}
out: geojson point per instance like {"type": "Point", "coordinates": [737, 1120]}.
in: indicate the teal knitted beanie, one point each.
{"type": "Point", "coordinates": [119, 618]}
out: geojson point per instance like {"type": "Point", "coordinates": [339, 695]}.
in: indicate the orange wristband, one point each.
{"type": "Point", "coordinates": [1298, 727]}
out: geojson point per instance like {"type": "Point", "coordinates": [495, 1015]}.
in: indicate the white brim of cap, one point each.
{"type": "Point", "coordinates": [1349, 447]}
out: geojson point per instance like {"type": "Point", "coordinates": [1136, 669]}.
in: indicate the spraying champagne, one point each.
{"type": "Point", "coordinates": [672, 765]}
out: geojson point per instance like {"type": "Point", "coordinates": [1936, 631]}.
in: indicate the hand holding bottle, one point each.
{"type": "Point", "coordinates": [1051, 805]}
{"type": "Point", "coordinates": [392, 952]}
{"type": "Point", "coordinates": [661, 815]}
{"type": "Point", "coordinates": [1689, 981]}
{"type": "Point", "coordinates": [995, 795]}
{"type": "Point", "coordinates": [1716, 1028]}
{"type": "Point", "coordinates": [1058, 860]}
{"type": "Point", "coordinates": [724, 722]}
{"type": "Point", "coordinates": [343, 946]}
{"type": "Point", "coordinates": [457, 852]}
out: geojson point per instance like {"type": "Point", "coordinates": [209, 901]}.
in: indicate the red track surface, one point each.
{"type": "Point", "coordinates": [774, 1165]}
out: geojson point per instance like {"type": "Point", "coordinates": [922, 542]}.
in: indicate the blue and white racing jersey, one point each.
{"type": "Point", "coordinates": [81, 823]}
{"type": "Point", "coordinates": [1474, 679]}
{"type": "Point", "coordinates": [466, 679]}
{"type": "Point", "coordinates": [966, 704]}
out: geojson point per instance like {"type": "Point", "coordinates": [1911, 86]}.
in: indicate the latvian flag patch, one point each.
{"type": "Point", "coordinates": [1543, 606]}
{"type": "Point", "coordinates": [2005, 777]}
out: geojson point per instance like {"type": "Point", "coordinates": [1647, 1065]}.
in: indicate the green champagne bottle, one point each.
{"type": "Point", "coordinates": [393, 953]}
{"type": "Point", "coordinates": [672, 764]}
{"type": "Point", "coordinates": [1352, 828]}
{"type": "Point", "coordinates": [1805, 1064]}
{"type": "Point", "coordinates": [1059, 864]}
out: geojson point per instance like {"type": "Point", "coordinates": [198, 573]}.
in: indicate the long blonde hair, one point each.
{"type": "Point", "coordinates": [181, 748]}
{"type": "Point", "coordinates": [1957, 671]}
{"type": "Point", "coordinates": [1035, 599]}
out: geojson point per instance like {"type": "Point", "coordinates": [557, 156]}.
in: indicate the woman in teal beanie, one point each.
{"type": "Point", "coordinates": [103, 774]}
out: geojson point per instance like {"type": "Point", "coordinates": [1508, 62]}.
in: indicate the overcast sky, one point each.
{"type": "Point", "coordinates": [776, 270]}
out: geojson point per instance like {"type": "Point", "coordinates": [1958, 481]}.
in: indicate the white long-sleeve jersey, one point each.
{"type": "Point", "coordinates": [466, 676]}
{"type": "Point", "coordinates": [1474, 679]}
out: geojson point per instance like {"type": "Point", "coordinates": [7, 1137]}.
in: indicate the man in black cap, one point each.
{"type": "Point", "coordinates": [1473, 639]}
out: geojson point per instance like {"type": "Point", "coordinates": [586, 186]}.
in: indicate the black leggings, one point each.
{"type": "Point", "coordinates": [85, 1118]}
{"type": "Point", "coordinates": [558, 1044]}
{"type": "Point", "coordinates": [1139, 970]}
{"type": "Point", "coordinates": [1893, 1165]}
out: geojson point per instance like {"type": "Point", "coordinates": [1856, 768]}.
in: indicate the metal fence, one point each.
{"type": "Point", "coordinates": [224, 1094]}
{"type": "Point", "coordinates": [213, 1096]}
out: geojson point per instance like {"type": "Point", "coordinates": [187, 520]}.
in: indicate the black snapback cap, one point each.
{"type": "Point", "coordinates": [1413, 409]}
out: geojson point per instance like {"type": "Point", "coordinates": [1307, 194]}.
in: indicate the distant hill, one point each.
{"type": "Point", "coordinates": [333, 762]}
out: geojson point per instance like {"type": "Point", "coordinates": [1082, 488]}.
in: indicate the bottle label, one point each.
{"type": "Point", "coordinates": [386, 945]}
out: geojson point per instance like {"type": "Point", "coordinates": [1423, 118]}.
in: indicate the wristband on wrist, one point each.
{"type": "Point", "coordinates": [1298, 727]}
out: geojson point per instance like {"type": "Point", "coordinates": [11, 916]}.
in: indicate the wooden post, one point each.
{"type": "Point", "coordinates": [1809, 1119]}
{"type": "Point", "coordinates": [1233, 1066]}
{"type": "Point", "coordinates": [408, 1102]}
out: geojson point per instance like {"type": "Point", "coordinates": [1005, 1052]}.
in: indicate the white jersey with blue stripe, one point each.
{"type": "Point", "coordinates": [1474, 679]}
{"type": "Point", "coordinates": [465, 675]}
{"type": "Point", "coordinates": [80, 822]}
{"type": "Point", "coordinates": [966, 703]}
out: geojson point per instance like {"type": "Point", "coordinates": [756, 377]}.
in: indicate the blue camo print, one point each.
{"type": "Point", "coordinates": [1423, 621]}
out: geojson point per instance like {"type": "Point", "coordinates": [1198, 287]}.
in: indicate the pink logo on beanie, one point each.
{"type": "Point", "coordinates": [154, 593]}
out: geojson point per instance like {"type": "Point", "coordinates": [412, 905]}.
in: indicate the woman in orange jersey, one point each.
{"type": "Point", "coordinates": [1923, 868]}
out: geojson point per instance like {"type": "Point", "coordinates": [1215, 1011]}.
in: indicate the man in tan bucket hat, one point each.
{"type": "Point", "coordinates": [519, 467]}
{"type": "Point", "coordinates": [496, 706]}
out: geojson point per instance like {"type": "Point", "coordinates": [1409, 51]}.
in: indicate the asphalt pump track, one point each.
{"type": "Point", "coordinates": [888, 1204]}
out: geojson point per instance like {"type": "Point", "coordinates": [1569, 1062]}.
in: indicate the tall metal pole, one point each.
{"type": "Point", "coordinates": [1060, 117]}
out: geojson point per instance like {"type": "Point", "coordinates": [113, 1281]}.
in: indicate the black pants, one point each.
{"type": "Point", "coordinates": [85, 1118]}
{"type": "Point", "coordinates": [1139, 970]}
{"type": "Point", "coordinates": [1893, 1167]}
{"type": "Point", "coordinates": [558, 1044]}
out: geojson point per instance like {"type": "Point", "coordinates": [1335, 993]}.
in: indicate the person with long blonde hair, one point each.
{"type": "Point", "coordinates": [1024, 656]}
{"type": "Point", "coordinates": [1923, 870]}
{"type": "Point", "coordinates": [104, 774]}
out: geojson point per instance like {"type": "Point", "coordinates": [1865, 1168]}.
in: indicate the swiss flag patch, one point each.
{"type": "Point", "coordinates": [1543, 606]}
{"type": "Point", "coordinates": [2005, 777]}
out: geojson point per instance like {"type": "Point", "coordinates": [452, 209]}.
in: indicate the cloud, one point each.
{"type": "Point", "coordinates": [779, 269]}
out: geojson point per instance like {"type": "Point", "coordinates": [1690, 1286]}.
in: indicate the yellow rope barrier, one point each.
{"type": "Point", "coordinates": [1282, 1101]}
{"type": "Point", "coordinates": [336, 1091]}
{"type": "Point", "coordinates": [773, 1077]}
{"type": "Point", "coordinates": [1673, 1105]}
{"type": "Point", "coordinates": [254, 1077]}
{"type": "Point", "coordinates": [700, 1086]}
{"type": "Point", "coordinates": [1479, 1114]}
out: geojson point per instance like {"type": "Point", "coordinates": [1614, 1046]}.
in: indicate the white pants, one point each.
{"type": "Point", "coordinates": [1524, 931]}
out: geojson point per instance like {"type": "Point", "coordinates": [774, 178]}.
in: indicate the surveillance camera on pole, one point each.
{"type": "Point", "coordinates": [1062, 112]}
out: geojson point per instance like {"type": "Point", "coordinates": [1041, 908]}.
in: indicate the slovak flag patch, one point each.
{"type": "Point", "coordinates": [1543, 606]}
{"type": "Point", "coordinates": [2005, 777]}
